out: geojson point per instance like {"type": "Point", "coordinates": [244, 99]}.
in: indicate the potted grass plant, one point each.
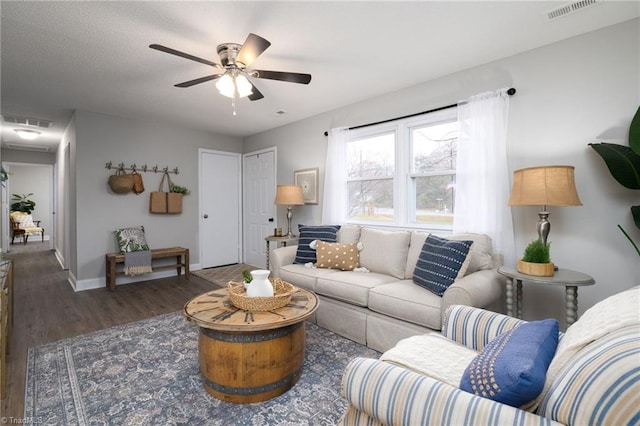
{"type": "Point", "coordinates": [536, 260]}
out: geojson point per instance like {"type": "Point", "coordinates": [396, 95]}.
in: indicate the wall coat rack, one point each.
{"type": "Point", "coordinates": [134, 168]}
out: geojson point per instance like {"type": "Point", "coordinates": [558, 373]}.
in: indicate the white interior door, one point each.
{"type": "Point", "coordinates": [259, 210]}
{"type": "Point", "coordinates": [220, 206]}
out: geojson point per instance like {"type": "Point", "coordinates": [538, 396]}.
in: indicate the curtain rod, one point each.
{"type": "Point", "coordinates": [510, 92]}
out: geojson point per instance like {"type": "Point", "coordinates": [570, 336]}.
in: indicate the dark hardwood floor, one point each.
{"type": "Point", "coordinates": [47, 309]}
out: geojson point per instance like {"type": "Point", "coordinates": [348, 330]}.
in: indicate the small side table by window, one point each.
{"type": "Point", "coordinates": [282, 240]}
{"type": "Point", "coordinates": [571, 280]}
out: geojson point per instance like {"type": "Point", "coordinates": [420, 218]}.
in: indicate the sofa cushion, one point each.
{"type": "Point", "coordinates": [408, 302]}
{"type": "Point", "coordinates": [349, 234]}
{"type": "Point", "coordinates": [600, 385]}
{"type": "Point", "coordinates": [384, 252]}
{"type": "Point", "coordinates": [131, 239]}
{"type": "Point", "coordinates": [301, 276]}
{"type": "Point", "coordinates": [480, 254]}
{"type": "Point", "coordinates": [432, 355]}
{"type": "Point", "coordinates": [440, 263]}
{"type": "Point", "coordinates": [352, 287]}
{"type": "Point", "coordinates": [306, 254]}
{"type": "Point", "coordinates": [343, 257]}
{"type": "Point", "coordinates": [511, 369]}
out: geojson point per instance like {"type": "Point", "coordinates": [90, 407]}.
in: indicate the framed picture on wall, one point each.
{"type": "Point", "coordinates": [308, 180]}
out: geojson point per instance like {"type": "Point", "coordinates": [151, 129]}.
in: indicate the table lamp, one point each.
{"type": "Point", "coordinates": [544, 186]}
{"type": "Point", "coordinates": [289, 195]}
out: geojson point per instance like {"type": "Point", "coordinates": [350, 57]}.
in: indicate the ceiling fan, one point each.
{"type": "Point", "coordinates": [235, 60]}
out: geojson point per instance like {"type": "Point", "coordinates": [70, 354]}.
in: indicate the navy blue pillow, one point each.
{"type": "Point", "coordinates": [325, 233]}
{"type": "Point", "coordinates": [512, 368]}
{"type": "Point", "coordinates": [440, 262]}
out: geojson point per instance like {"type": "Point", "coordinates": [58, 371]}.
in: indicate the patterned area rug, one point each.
{"type": "Point", "coordinates": [146, 373]}
{"type": "Point", "coordinates": [221, 275]}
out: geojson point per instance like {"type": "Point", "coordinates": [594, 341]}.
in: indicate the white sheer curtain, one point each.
{"type": "Point", "coordinates": [482, 176]}
{"type": "Point", "coordinates": [335, 200]}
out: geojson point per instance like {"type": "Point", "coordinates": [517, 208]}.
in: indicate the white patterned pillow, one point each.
{"type": "Point", "coordinates": [131, 239]}
{"type": "Point", "coordinates": [25, 221]}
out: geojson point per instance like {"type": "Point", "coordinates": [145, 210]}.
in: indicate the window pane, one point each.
{"type": "Point", "coordinates": [371, 157]}
{"type": "Point", "coordinates": [371, 200]}
{"type": "Point", "coordinates": [435, 147]}
{"type": "Point", "coordinates": [434, 199]}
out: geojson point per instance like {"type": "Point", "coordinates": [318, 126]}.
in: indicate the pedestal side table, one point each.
{"type": "Point", "coordinates": [571, 280]}
{"type": "Point", "coordinates": [282, 240]}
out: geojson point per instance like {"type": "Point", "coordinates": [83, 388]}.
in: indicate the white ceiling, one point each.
{"type": "Point", "coordinates": [62, 56]}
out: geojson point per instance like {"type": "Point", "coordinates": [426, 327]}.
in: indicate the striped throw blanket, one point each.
{"type": "Point", "coordinates": [137, 262]}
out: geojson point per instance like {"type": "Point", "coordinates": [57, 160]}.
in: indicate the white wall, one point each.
{"type": "Point", "coordinates": [98, 211]}
{"type": "Point", "coordinates": [569, 94]}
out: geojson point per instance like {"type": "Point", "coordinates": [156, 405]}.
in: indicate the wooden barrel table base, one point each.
{"type": "Point", "coordinates": [249, 356]}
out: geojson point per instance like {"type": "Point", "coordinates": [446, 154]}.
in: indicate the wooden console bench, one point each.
{"type": "Point", "coordinates": [182, 261]}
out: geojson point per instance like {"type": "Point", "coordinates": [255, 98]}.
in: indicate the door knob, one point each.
{"type": "Point", "coordinates": [270, 219]}
{"type": "Point", "coordinates": [206, 216]}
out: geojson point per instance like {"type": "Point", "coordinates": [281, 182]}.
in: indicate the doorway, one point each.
{"type": "Point", "coordinates": [220, 208]}
{"type": "Point", "coordinates": [259, 210]}
{"type": "Point", "coordinates": [35, 181]}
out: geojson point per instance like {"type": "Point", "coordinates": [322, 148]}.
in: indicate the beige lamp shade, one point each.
{"type": "Point", "coordinates": [289, 195]}
{"type": "Point", "coordinates": [544, 186]}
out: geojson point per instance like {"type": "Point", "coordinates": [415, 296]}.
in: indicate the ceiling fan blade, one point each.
{"type": "Point", "coordinates": [253, 47]}
{"type": "Point", "coordinates": [256, 95]}
{"type": "Point", "coordinates": [183, 55]}
{"type": "Point", "coordinates": [291, 77]}
{"type": "Point", "coordinates": [198, 81]}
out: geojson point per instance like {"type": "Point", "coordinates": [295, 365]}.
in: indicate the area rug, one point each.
{"type": "Point", "coordinates": [221, 275]}
{"type": "Point", "coordinates": [146, 373]}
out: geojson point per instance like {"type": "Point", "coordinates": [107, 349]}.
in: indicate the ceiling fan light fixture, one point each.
{"type": "Point", "coordinates": [244, 87]}
{"type": "Point", "coordinates": [27, 134]}
{"type": "Point", "coordinates": [226, 86]}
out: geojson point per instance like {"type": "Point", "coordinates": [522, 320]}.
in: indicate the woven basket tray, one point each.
{"type": "Point", "coordinates": [282, 292]}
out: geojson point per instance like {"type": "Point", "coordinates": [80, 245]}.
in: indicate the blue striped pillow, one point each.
{"type": "Point", "coordinates": [327, 233]}
{"type": "Point", "coordinates": [440, 262]}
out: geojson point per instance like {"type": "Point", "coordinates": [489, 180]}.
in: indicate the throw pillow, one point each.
{"type": "Point", "coordinates": [26, 221]}
{"type": "Point", "coordinates": [305, 254]}
{"type": "Point", "coordinates": [131, 239]}
{"type": "Point", "coordinates": [337, 256]}
{"type": "Point", "coordinates": [440, 263]}
{"type": "Point", "coordinates": [512, 368]}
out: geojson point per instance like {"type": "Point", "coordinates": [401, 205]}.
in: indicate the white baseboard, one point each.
{"type": "Point", "coordinates": [100, 282]}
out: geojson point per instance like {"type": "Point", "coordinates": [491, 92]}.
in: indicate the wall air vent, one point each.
{"type": "Point", "coordinates": [25, 147]}
{"type": "Point", "coordinates": [28, 121]}
{"type": "Point", "coordinates": [569, 8]}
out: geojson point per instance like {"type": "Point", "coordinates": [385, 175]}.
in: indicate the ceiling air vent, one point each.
{"type": "Point", "coordinates": [23, 147]}
{"type": "Point", "coordinates": [569, 8]}
{"type": "Point", "coordinates": [28, 121]}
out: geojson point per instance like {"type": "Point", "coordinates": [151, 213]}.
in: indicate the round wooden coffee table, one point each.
{"type": "Point", "coordinates": [249, 356]}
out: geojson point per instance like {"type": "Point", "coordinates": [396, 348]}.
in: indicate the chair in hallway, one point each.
{"type": "Point", "coordinates": [22, 224]}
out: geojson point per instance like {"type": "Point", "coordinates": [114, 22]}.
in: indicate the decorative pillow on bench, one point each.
{"type": "Point", "coordinates": [131, 239]}
{"type": "Point", "coordinates": [306, 254]}
{"type": "Point", "coordinates": [441, 262]}
{"type": "Point", "coordinates": [512, 368]}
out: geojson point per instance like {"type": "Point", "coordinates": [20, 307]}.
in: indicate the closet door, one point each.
{"type": "Point", "coordinates": [259, 210]}
{"type": "Point", "coordinates": [220, 208]}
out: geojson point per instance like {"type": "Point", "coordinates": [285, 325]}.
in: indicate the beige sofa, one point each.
{"type": "Point", "coordinates": [382, 306]}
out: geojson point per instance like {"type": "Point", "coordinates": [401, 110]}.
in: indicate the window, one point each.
{"type": "Point", "coordinates": [403, 173]}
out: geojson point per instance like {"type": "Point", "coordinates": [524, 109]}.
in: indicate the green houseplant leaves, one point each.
{"type": "Point", "coordinates": [624, 164]}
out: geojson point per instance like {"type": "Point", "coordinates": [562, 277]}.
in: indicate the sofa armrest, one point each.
{"type": "Point", "coordinates": [474, 327]}
{"type": "Point", "coordinates": [479, 289]}
{"type": "Point", "coordinates": [280, 257]}
{"type": "Point", "coordinates": [393, 395]}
